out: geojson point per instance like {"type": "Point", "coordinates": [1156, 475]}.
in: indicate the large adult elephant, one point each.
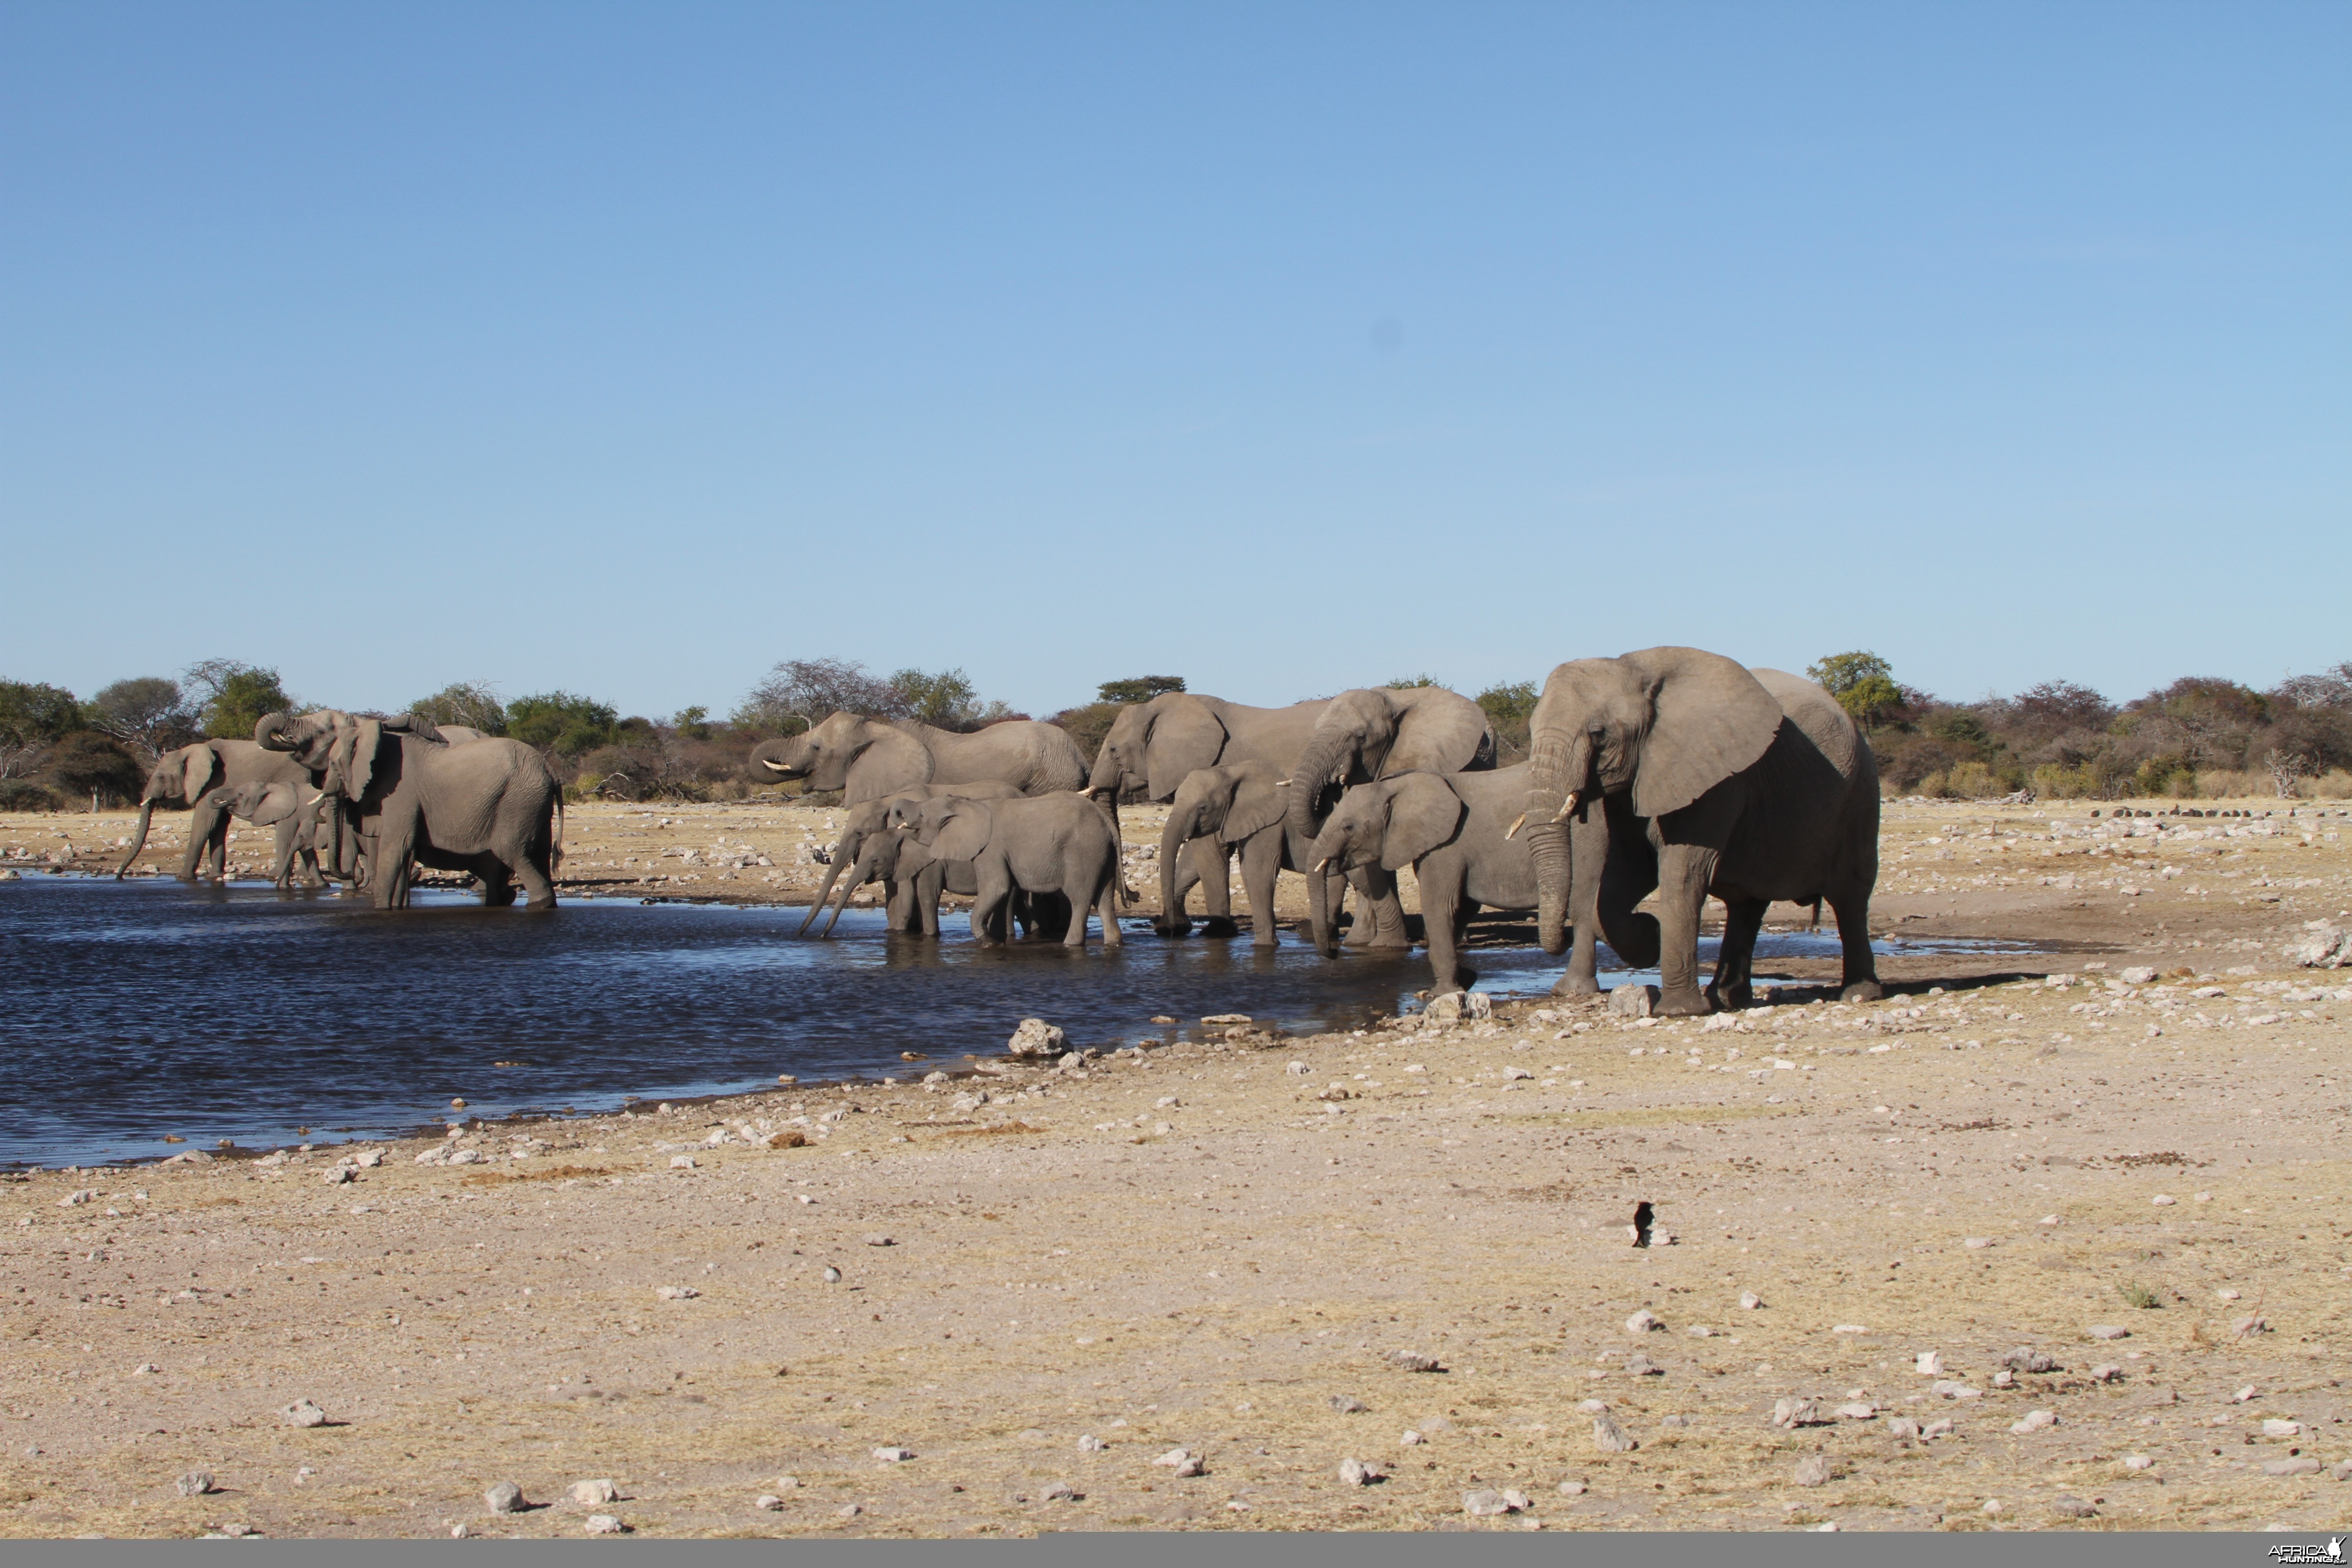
{"type": "Point", "coordinates": [866, 759]}
{"type": "Point", "coordinates": [190, 776]}
{"type": "Point", "coordinates": [1379, 732]}
{"type": "Point", "coordinates": [489, 806]}
{"type": "Point", "coordinates": [1711, 778]}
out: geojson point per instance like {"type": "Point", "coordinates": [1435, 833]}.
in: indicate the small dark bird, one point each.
{"type": "Point", "coordinates": [1642, 1217]}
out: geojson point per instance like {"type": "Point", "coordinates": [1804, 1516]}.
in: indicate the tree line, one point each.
{"type": "Point", "coordinates": [2200, 735]}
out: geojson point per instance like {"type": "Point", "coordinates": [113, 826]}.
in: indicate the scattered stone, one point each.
{"type": "Point", "coordinates": [2301, 1466]}
{"type": "Point", "coordinates": [1951, 1388]}
{"type": "Point", "coordinates": [1639, 1365]}
{"type": "Point", "coordinates": [849, 1510]}
{"type": "Point", "coordinates": [302, 1413]}
{"type": "Point", "coordinates": [783, 1483]}
{"type": "Point", "coordinates": [594, 1494]}
{"type": "Point", "coordinates": [1409, 1360]}
{"type": "Point", "coordinates": [195, 1483]}
{"type": "Point", "coordinates": [1860, 1410]}
{"type": "Point", "coordinates": [677, 1292]}
{"type": "Point", "coordinates": [1677, 1421]}
{"type": "Point", "coordinates": [2343, 1471]}
{"type": "Point", "coordinates": [1412, 1438]}
{"type": "Point", "coordinates": [144, 1368]}
{"type": "Point", "coordinates": [1220, 1019]}
{"type": "Point", "coordinates": [768, 1500]}
{"type": "Point", "coordinates": [1750, 1300]}
{"type": "Point", "coordinates": [878, 1239]}
{"type": "Point", "coordinates": [1938, 1429]}
{"type": "Point", "coordinates": [1902, 1427]}
{"type": "Point", "coordinates": [2328, 946]}
{"type": "Point", "coordinates": [2138, 1462]}
{"type": "Point", "coordinates": [682, 1162]}
{"type": "Point", "coordinates": [1609, 1437]}
{"type": "Point", "coordinates": [1090, 1443]}
{"type": "Point", "coordinates": [1347, 1405]}
{"type": "Point", "coordinates": [1931, 1363]}
{"type": "Point", "coordinates": [73, 1199]}
{"type": "Point", "coordinates": [788, 1139]}
{"type": "Point", "coordinates": [1484, 1504]}
{"type": "Point", "coordinates": [1036, 1038]}
{"type": "Point", "coordinates": [2066, 1507]}
{"type": "Point", "coordinates": [2025, 1358]}
{"type": "Point", "coordinates": [1794, 1412]}
{"type": "Point", "coordinates": [2106, 1372]}
{"type": "Point", "coordinates": [603, 1524]}
{"type": "Point", "coordinates": [1060, 1491]}
{"type": "Point", "coordinates": [1699, 1331]}
{"type": "Point", "coordinates": [1182, 1462]}
{"type": "Point", "coordinates": [894, 1455]}
{"type": "Point", "coordinates": [2282, 1428]}
{"type": "Point", "coordinates": [1631, 1001]}
{"type": "Point", "coordinates": [1356, 1473]}
{"type": "Point", "coordinates": [2139, 974]}
{"type": "Point", "coordinates": [2247, 1326]}
{"type": "Point", "coordinates": [2163, 1200]}
{"type": "Point", "coordinates": [2034, 1421]}
{"type": "Point", "coordinates": [1571, 1488]}
{"type": "Point", "coordinates": [504, 1498]}
{"type": "Point", "coordinates": [1976, 1242]}
{"type": "Point", "coordinates": [1641, 1323]}
{"type": "Point", "coordinates": [340, 1174]}
{"type": "Point", "coordinates": [832, 1275]}
{"type": "Point", "coordinates": [1813, 1470]}
{"type": "Point", "coordinates": [2244, 1395]}
{"type": "Point", "coordinates": [2108, 1331]}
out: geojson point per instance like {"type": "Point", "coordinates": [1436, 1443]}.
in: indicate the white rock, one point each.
{"type": "Point", "coordinates": [894, 1455]}
{"type": "Point", "coordinates": [1952, 1388]}
{"type": "Point", "coordinates": [1643, 1321]}
{"type": "Point", "coordinates": [2106, 1372]}
{"type": "Point", "coordinates": [195, 1483]}
{"type": "Point", "coordinates": [302, 1413]}
{"type": "Point", "coordinates": [1630, 1002]}
{"type": "Point", "coordinates": [1609, 1437]}
{"type": "Point", "coordinates": [1571, 1488]}
{"type": "Point", "coordinates": [677, 1292]}
{"type": "Point", "coordinates": [1793, 1413]}
{"type": "Point", "coordinates": [1750, 1300]}
{"type": "Point", "coordinates": [2139, 974]}
{"type": "Point", "coordinates": [1356, 1473]}
{"type": "Point", "coordinates": [1412, 1438]}
{"type": "Point", "coordinates": [1060, 1491]}
{"type": "Point", "coordinates": [603, 1524]}
{"type": "Point", "coordinates": [1182, 1462]}
{"type": "Point", "coordinates": [504, 1498]}
{"type": "Point", "coordinates": [594, 1494]}
{"type": "Point", "coordinates": [2108, 1331]}
{"type": "Point", "coordinates": [1484, 1504]}
{"type": "Point", "coordinates": [1036, 1038]}
{"type": "Point", "coordinates": [2034, 1421]}
{"type": "Point", "coordinates": [1931, 1363]}
{"type": "Point", "coordinates": [682, 1162]}
{"type": "Point", "coordinates": [1813, 1470]}
{"type": "Point", "coordinates": [2282, 1428]}
{"type": "Point", "coordinates": [1090, 1443]}
{"type": "Point", "coordinates": [769, 1501]}
{"type": "Point", "coordinates": [1859, 1410]}
{"type": "Point", "coordinates": [2138, 1462]}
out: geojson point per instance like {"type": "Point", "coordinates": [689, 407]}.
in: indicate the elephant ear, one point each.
{"type": "Point", "coordinates": [963, 832]}
{"type": "Point", "coordinates": [892, 762]}
{"type": "Point", "coordinates": [1260, 802]}
{"type": "Point", "coordinates": [1186, 734]}
{"type": "Point", "coordinates": [200, 765]}
{"type": "Point", "coordinates": [1438, 732]}
{"type": "Point", "coordinates": [276, 804]}
{"type": "Point", "coordinates": [1424, 812]}
{"type": "Point", "coordinates": [351, 763]}
{"type": "Point", "coordinates": [1710, 719]}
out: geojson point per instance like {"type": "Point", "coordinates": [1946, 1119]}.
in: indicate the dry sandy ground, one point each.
{"type": "Point", "coordinates": [1192, 1248]}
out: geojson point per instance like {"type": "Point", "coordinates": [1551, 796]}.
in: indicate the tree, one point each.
{"type": "Point", "coordinates": [2051, 707]}
{"type": "Point", "coordinates": [473, 703]}
{"type": "Point", "coordinates": [1137, 688]}
{"type": "Point", "coordinates": [86, 762]}
{"type": "Point", "coordinates": [1863, 683]}
{"type": "Point", "coordinates": [148, 713]}
{"type": "Point", "coordinates": [232, 697]}
{"type": "Point", "coordinates": [947, 701]}
{"type": "Point", "coordinates": [34, 717]}
{"type": "Point", "coordinates": [692, 722]}
{"type": "Point", "coordinates": [2330, 689]}
{"type": "Point", "coordinates": [560, 722]}
{"type": "Point", "coordinates": [1509, 707]}
{"type": "Point", "coordinates": [1409, 683]}
{"type": "Point", "coordinates": [800, 693]}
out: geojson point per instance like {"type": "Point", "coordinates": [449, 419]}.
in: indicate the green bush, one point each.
{"type": "Point", "coordinates": [559, 722]}
{"type": "Point", "coordinates": [1509, 707]}
{"type": "Point", "coordinates": [233, 697]}
{"type": "Point", "coordinates": [1137, 688]}
{"type": "Point", "coordinates": [86, 762]}
{"type": "Point", "coordinates": [23, 795]}
{"type": "Point", "coordinates": [1089, 725]}
{"type": "Point", "coordinates": [473, 703]}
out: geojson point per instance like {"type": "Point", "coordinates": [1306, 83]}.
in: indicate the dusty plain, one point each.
{"type": "Point", "coordinates": [1222, 1244]}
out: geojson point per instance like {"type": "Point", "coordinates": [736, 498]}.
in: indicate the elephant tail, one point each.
{"type": "Point", "coordinates": [555, 848]}
{"type": "Point", "coordinates": [1817, 914]}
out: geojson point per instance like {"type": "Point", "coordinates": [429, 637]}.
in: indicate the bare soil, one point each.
{"type": "Point", "coordinates": [1218, 1246]}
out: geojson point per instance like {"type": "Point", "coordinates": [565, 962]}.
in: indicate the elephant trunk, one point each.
{"type": "Point", "coordinates": [138, 839]}
{"type": "Point", "coordinates": [1324, 756]}
{"type": "Point", "coordinates": [1557, 766]}
{"type": "Point", "coordinates": [1172, 921]}
{"type": "Point", "coordinates": [842, 847]}
{"type": "Point", "coordinates": [267, 734]}
{"type": "Point", "coordinates": [859, 875]}
{"type": "Point", "coordinates": [774, 761]}
{"type": "Point", "coordinates": [1328, 850]}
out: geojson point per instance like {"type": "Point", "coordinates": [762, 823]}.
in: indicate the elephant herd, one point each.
{"type": "Point", "coordinates": [1670, 770]}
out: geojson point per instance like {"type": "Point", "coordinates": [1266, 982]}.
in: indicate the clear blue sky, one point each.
{"type": "Point", "coordinates": [1287, 348]}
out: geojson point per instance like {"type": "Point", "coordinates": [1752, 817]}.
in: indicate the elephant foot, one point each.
{"type": "Point", "coordinates": [1732, 998]}
{"type": "Point", "coordinates": [1264, 941]}
{"type": "Point", "coordinates": [1466, 978]}
{"type": "Point", "coordinates": [1221, 926]}
{"type": "Point", "coordinates": [1686, 1003]}
{"type": "Point", "coordinates": [1862, 991]}
{"type": "Point", "coordinates": [1172, 929]}
{"type": "Point", "coordinates": [1576, 985]}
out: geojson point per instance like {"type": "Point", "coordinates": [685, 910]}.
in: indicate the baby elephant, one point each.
{"type": "Point", "coordinates": [1454, 831]}
{"type": "Point", "coordinates": [1238, 805]}
{"type": "Point", "coordinates": [271, 805]}
{"type": "Point", "coordinates": [1039, 844]}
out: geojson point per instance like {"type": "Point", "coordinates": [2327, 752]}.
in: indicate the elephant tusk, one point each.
{"type": "Point", "coordinates": [1568, 805]}
{"type": "Point", "coordinates": [1282, 783]}
{"type": "Point", "coordinates": [1323, 862]}
{"type": "Point", "coordinates": [776, 767]}
{"type": "Point", "coordinates": [1516, 823]}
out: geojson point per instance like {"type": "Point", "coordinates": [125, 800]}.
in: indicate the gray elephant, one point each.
{"type": "Point", "coordinates": [271, 805]}
{"type": "Point", "coordinates": [915, 880]}
{"type": "Point", "coordinates": [489, 806]}
{"type": "Point", "coordinates": [188, 776]}
{"type": "Point", "coordinates": [1456, 831]}
{"type": "Point", "coordinates": [1045, 844]}
{"type": "Point", "coordinates": [1710, 778]}
{"type": "Point", "coordinates": [870, 818]}
{"type": "Point", "coordinates": [866, 759]}
{"type": "Point", "coordinates": [1377, 733]}
{"type": "Point", "coordinates": [1234, 808]}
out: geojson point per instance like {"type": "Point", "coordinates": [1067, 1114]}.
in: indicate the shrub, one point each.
{"type": "Point", "coordinates": [1088, 725]}
{"type": "Point", "coordinates": [23, 795]}
{"type": "Point", "coordinates": [559, 722]}
{"type": "Point", "coordinates": [34, 717]}
{"type": "Point", "coordinates": [2138, 1295]}
{"type": "Point", "coordinates": [473, 703]}
{"type": "Point", "coordinates": [148, 713]}
{"type": "Point", "coordinates": [233, 697]}
{"type": "Point", "coordinates": [1509, 707]}
{"type": "Point", "coordinates": [1972, 781]}
{"type": "Point", "coordinates": [1137, 689]}
{"type": "Point", "coordinates": [86, 762]}
{"type": "Point", "coordinates": [799, 693]}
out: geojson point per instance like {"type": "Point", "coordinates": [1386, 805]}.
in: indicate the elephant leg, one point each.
{"type": "Point", "coordinates": [1440, 923]}
{"type": "Point", "coordinates": [1628, 877]}
{"type": "Point", "coordinates": [1077, 888]}
{"type": "Point", "coordinates": [995, 894]}
{"type": "Point", "coordinates": [930, 883]}
{"type": "Point", "coordinates": [498, 886]}
{"type": "Point", "coordinates": [1260, 866]}
{"type": "Point", "coordinates": [530, 869]}
{"type": "Point", "coordinates": [1210, 861]}
{"type": "Point", "coordinates": [1852, 907]}
{"type": "Point", "coordinates": [1107, 903]}
{"type": "Point", "coordinates": [1588, 840]}
{"type": "Point", "coordinates": [392, 863]}
{"type": "Point", "coordinates": [1734, 960]}
{"type": "Point", "coordinates": [1380, 913]}
{"type": "Point", "coordinates": [1683, 872]}
{"type": "Point", "coordinates": [1462, 916]}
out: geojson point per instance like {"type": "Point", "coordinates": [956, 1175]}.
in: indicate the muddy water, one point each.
{"type": "Point", "coordinates": [133, 1010]}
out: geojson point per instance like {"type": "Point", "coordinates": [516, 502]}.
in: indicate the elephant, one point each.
{"type": "Point", "coordinates": [916, 879]}
{"type": "Point", "coordinates": [1042, 844]}
{"type": "Point", "coordinates": [1235, 805]}
{"type": "Point", "coordinates": [489, 806]}
{"type": "Point", "coordinates": [1376, 733]}
{"type": "Point", "coordinates": [866, 759]}
{"type": "Point", "coordinates": [1454, 831]}
{"type": "Point", "coordinates": [269, 804]}
{"type": "Point", "coordinates": [191, 774]}
{"type": "Point", "coordinates": [870, 818]}
{"type": "Point", "coordinates": [1711, 778]}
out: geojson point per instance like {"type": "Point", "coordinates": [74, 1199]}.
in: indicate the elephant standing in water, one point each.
{"type": "Point", "coordinates": [866, 759]}
{"type": "Point", "coordinates": [271, 805]}
{"type": "Point", "coordinates": [489, 808]}
{"type": "Point", "coordinates": [191, 776]}
{"type": "Point", "coordinates": [1710, 778]}
{"type": "Point", "coordinates": [868, 818]}
{"type": "Point", "coordinates": [1050, 843]}
{"type": "Point", "coordinates": [1235, 807]}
